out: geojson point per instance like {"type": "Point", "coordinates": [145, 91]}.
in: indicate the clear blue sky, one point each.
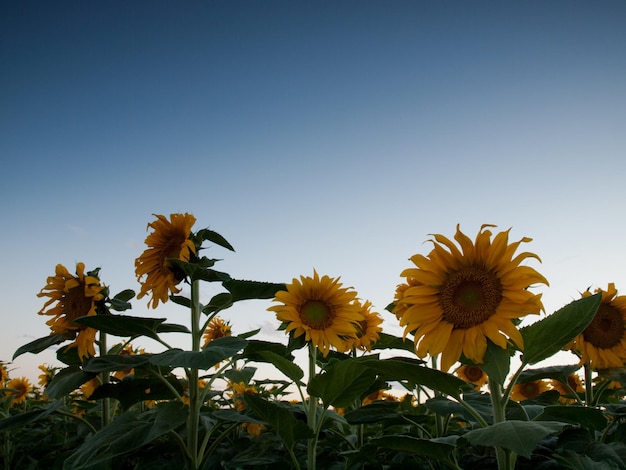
{"type": "Point", "coordinates": [327, 135]}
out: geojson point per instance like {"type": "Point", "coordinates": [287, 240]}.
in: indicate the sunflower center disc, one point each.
{"type": "Point", "coordinates": [606, 329]}
{"type": "Point", "coordinates": [316, 314]}
{"type": "Point", "coordinates": [530, 390]}
{"type": "Point", "coordinates": [76, 304]}
{"type": "Point", "coordinates": [470, 296]}
{"type": "Point", "coordinates": [473, 373]}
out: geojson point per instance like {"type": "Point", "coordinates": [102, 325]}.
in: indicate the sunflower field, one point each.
{"type": "Point", "coordinates": [462, 389]}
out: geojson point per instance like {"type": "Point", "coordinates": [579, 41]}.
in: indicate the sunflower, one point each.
{"type": "Point", "coordinates": [574, 383]}
{"type": "Point", "coordinates": [19, 390]}
{"type": "Point", "coordinates": [4, 374]}
{"type": "Point", "coordinates": [47, 375]}
{"type": "Point", "coordinates": [169, 239]}
{"type": "Point", "coordinates": [454, 300]}
{"type": "Point", "coordinates": [320, 309]}
{"type": "Point", "coordinates": [528, 390]}
{"type": "Point", "coordinates": [368, 329]}
{"type": "Point", "coordinates": [603, 343]}
{"type": "Point", "coordinates": [127, 350]}
{"type": "Point", "coordinates": [472, 374]}
{"type": "Point", "coordinates": [73, 297]}
{"type": "Point", "coordinates": [89, 387]}
{"type": "Point", "coordinates": [217, 328]}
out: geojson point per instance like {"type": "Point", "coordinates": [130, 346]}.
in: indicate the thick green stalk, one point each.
{"type": "Point", "coordinates": [498, 404]}
{"type": "Point", "coordinates": [588, 386]}
{"type": "Point", "coordinates": [193, 419]}
{"type": "Point", "coordinates": [312, 413]}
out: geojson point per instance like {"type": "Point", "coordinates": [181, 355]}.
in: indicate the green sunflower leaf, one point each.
{"type": "Point", "coordinates": [386, 341]}
{"type": "Point", "coordinates": [66, 381]}
{"type": "Point", "coordinates": [216, 351]}
{"type": "Point", "coordinates": [289, 428]}
{"type": "Point", "coordinates": [519, 436]}
{"type": "Point", "coordinates": [131, 390]}
{"type": "Point", "coordinates": [210, 235]}
{"type": "Point", "coordinates": [123, 325]}
{"type": "Point", "coordinates": [408, 369]}
{"type": "Point", "coordinates": [247, 290]}
{"type": "Point", "coordinates": [546, 337]}
{"type": "Point", "coordinates": [497, 362]}
{"type": "Point", "coordinates": [341, 383]}
{"type": "Point", "coordinates": [582, 415]}
{"type": "Point", "coordinates": [560, 373]}
{"type": "Point", "coordinates": [111, 362]}
{"type": "Point", "coordinates": [286, 366]}
{"type": "Point", "coordinates": [42, 344]}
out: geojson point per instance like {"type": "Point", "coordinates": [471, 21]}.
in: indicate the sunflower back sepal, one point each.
{"type": "Point", "coordinates": [548, 336]}
{"type": "Point", "coordinates": [44, 343]}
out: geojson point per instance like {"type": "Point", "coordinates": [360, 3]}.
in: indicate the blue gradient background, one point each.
{"type": "Point", "coordinates": [326, 135]}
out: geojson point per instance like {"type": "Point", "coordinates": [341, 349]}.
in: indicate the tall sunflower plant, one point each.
{"type": "Point", "coordinates": [444, 395]}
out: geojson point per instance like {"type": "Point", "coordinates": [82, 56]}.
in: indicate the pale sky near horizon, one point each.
{"type": "Point", "coordinates": [333, 136]}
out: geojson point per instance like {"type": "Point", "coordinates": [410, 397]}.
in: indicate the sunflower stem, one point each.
{"type": "Point", "coordinates": [104, 378]}
{"type": "Point", "coordinates": [588, 386]}
{"type": "Point", "coordinates": [194, 405]}
{"type": "Point", "coordinates": [498, 404]}
{"type": "Point", "coordinates": [312, 413]}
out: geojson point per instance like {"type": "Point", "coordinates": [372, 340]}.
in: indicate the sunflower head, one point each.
{"type": "Point", "coordinates": [460, 296]}
{"type": "Point", "coordinates": [4, 374]}
{"type": "Point", "coordinates": [321, 310]}
{"type": "Point", "coordinates": [217, 328]}
{"type": "Point", "coordinates": [472, 374]}
{"type": "Point", "coordinates": [573, 382]}
{"type": "Point", "coordinates": [368, 329]}
{"type": "Point", "coordinates": [529, 390]}
{"type": "Point", "coordinates": [47, 375]}
{"type": "Point", "coordinates": [70, 297]}
{"type": "Point", "coordinates": [169, 239]}
{"type": "Point", "coordinates": [19, 389]}
{"type": "Point", "coordinates": [602, 344]}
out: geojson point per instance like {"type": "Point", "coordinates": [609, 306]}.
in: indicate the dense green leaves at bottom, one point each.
{"type": "Point", "coordinates": [127, 432]}
{"type": "Point", "coordinates": [424, 447]}
{"type": "Point", "coordinates": [284, 423]}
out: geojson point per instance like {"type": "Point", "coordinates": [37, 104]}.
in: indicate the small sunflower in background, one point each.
{"type": "Point", "coordinates": [18, 389]}
{"type": "Point", "coordinates": [368, 329]}
{"type": "Point", "coordinates": [4, 374]}
{"type": "Point", "coordinates": [71, 297]}
{"type": "Point", "coordinates": [48, 373]}
{"type": "Point", "coordinates": [472, 374]}
{"type": "Point", "coordinates": [321, 310]}
{"type": "Point", "coordinates": [602, 344]}
{"type": "Point", "coordinates": [89, 387]}
{"type": "Point", "coordinates": [217, 328]}
{"type": "Point", "coordinates": [456, 299]}
{"type": "Point", "coordinates": [529, 390]}
{"type": "Point", "coordinates": [169, 239]}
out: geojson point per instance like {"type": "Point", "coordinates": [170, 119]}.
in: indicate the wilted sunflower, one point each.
{"type": "Point", "coordinates": [368, 329]}
{"type": "Point", "coordinates": [603, 343]}
{"type": "Point", "coordinates": [457, 299]}
{"type": "Point", "coordinates": [75, 296]}
{"type": "Point", "coordinates": [168, 240]}
{"type": "Point", "coordinates": [217, 328]}
{"type": "Point", "coordinates": [20, 389]}
{"type": "Point", "coordinates": [320, 309]}
{"type": "Point", "coordinates": [472, 374]}
{"type": "Point", "coordinates": [528, 390]}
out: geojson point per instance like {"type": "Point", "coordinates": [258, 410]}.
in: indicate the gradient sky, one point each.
{"type": "Point", "coordinates": [334, 135]}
